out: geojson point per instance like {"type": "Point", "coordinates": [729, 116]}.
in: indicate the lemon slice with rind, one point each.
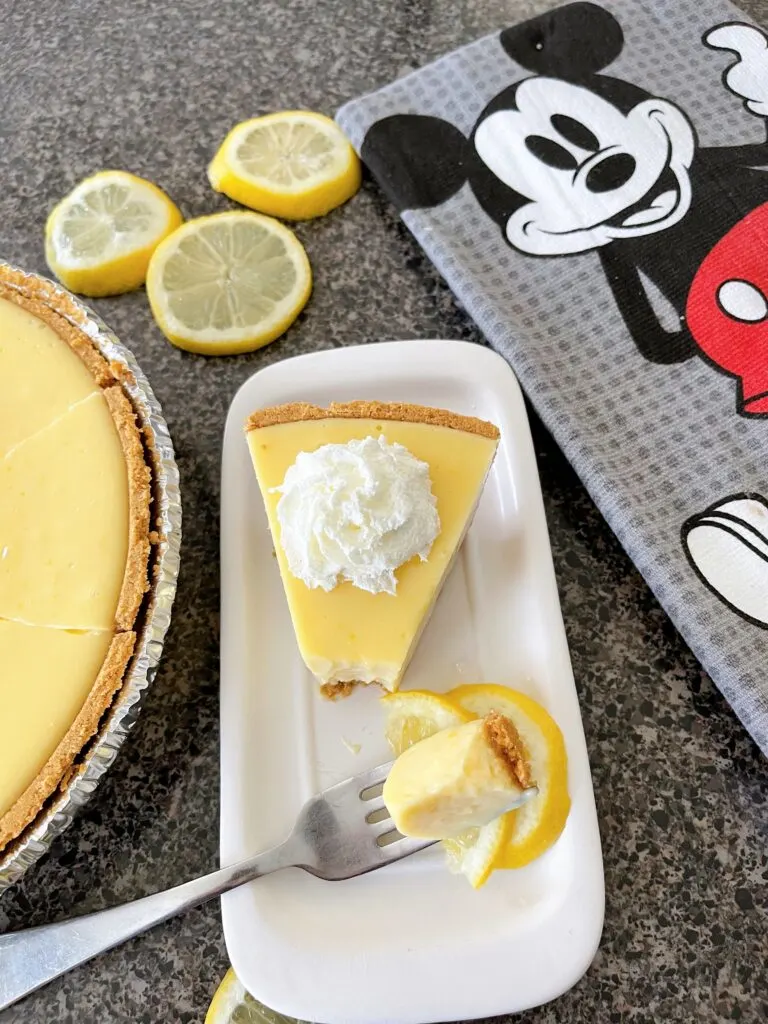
{"type": "Point", "coordinates": [478, 852]}
{"type": "Point", "coordinates": [414, 715]}
{"type": "Point", "coordinates": [233, 1005]}
{"type": "Point", "coordinates": [100, 237]}
{"type": "Point", "coordinates": [536, 825]}
{"type": "Point", "coordinates": [228, 283]}
{"type": "Point", "coordinates": [296, 164]}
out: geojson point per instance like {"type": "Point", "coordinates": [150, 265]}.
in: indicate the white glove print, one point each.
{"type": "Point", "coordinates": [748, 77]}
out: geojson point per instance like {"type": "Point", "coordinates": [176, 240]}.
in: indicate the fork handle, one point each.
{"type": "Point", "coordinates": [32, 957]}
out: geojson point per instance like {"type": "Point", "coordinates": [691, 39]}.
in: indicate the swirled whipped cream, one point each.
{"type": "Point", "coordinates": [356, 512]}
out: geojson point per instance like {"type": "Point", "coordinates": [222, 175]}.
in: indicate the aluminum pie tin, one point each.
{"type": "Point", "coordinates": [155, 615]}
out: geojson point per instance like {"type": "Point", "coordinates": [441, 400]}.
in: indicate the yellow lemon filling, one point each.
{"type": "Point", "coordinates": [459, 778]}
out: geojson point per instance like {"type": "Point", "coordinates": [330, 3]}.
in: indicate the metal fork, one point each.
{"type": "Point", "coordinates": [343, 832]}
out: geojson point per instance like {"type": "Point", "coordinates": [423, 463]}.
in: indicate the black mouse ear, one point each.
{"type": "Point", "coordinates": [419, 161]}
{"type": "Point", "coordinates": [571, 42]}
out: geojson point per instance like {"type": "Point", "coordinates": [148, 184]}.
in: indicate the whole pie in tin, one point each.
{"type": "Point", "coordinates": [74, 544]}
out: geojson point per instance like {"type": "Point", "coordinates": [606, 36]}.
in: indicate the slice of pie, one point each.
{"type": "Point", "coordinates": [346, 633]}
{"type": "Point", "coordinates": [74, 543]}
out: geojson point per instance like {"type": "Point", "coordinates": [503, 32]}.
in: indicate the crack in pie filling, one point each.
{"type": "Point", "coordinates": [74, 544]}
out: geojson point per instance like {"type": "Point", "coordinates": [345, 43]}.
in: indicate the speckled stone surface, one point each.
{"type": "Point", "coordinates": [682, 793]}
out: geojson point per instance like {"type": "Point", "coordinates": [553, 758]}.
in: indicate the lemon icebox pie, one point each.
{"type": "Point", "coordinates": [74, 545]}
{"type": "Point", "coordinates": [368, 504]}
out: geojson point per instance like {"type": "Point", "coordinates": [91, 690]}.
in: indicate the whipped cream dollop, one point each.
{"type": "Point", "coordinates": [356, 512]}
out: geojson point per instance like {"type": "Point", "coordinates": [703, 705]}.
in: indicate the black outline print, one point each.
{"type": "Point", "coordinates": [717, 519]}
{"type": "Point", "coordinates": [422, 161]}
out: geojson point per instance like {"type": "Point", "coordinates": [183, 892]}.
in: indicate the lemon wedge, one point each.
{"type": "Point", "coordinates": [536, 825]}
{"type": "Point", "coordinates": [100, 237]}
{"type": "Point", "coordinates": [414, 715]}
{"type": "Point", "coordinates": [295, 164]}
{"type": "Point", "coordinates": [233, 1005]}
{"type": "Point", "coordinates": [228, 283]}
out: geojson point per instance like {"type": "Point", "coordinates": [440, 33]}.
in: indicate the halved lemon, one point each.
{"type": "Point", "coordinates": [228, 283]}
{"type": "Point", "coordinates": [414, 715]}
{"type": "Point", "coordinates": [100, 237]}
{"type": "Point", "coordinates": [233, 1005]}
{"type": "Point", "coordinates": [536, 825]}
{"type": "Point", "coordinates": [295, 164]}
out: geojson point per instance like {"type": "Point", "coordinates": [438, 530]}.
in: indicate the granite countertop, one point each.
{"type": "Point", "coordinates": [681, 790]}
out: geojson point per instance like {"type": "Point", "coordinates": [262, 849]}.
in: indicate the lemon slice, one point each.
{"type": "Point", "coordinates": [100, 237]}
{"type": "Point", "coordinates": [479, 851]}
{"type": "Point", "coordinates": [228, 283]}
{"type": "Point", "coordinates": [295, 165]}
{"type": "Point", "coordinates": [414, 715]}
{"type": "Point", "coordinates": [233, 1005]}
{"type": "Point", "coordinates": [536, 825]}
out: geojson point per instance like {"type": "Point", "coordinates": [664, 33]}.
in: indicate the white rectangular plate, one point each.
{"type": "Point", "coordinates": [409, 943]}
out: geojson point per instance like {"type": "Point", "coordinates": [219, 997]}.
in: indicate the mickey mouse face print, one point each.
{"type": "Point", "coordinates": [570, 160]}
{"type": "Point", "coordinates": [590, 172]}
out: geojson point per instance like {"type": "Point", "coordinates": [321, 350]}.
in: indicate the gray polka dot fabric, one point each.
{"type": "Point", "coordinates": [591, 185]}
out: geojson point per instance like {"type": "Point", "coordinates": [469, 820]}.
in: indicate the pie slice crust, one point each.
{"type": "Point", "coordinates": [292, 412]}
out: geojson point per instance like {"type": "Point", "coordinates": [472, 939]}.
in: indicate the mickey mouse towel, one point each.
{"type": "Point", "coordinates": [593, 185]}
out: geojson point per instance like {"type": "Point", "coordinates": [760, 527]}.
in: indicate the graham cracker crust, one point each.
{"type": "Point", "coordinates": [337, 691]}
{"type": "Point", "coordinates": [135, 581]}
{"type": "Point", "coordinates": [504, 739]}
{"type": "Point", "coordinates": [293, 412]}
{"type": "Point", "coordinates": [43, 300]}
{"type": "Point", "coordinates": [108, 681]}
{"type": "Point", "coordinates": [77, 340]}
